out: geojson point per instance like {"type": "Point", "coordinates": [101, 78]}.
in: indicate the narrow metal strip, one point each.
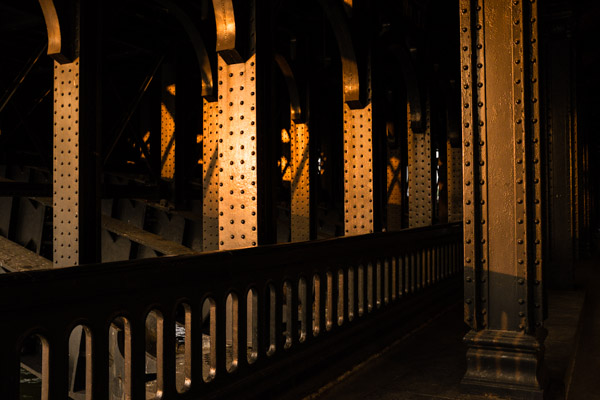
{"type": "Point", "coordinates": [300, 182]}
{"type": "Point", "coordinates": [210, 172]}
{"type": "Point", "coordinates": [66, 164]}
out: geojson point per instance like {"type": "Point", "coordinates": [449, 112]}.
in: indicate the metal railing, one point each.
{"type": "Point", "coordinates": [250, 318]}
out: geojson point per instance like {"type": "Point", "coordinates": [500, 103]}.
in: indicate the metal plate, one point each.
{"type": "Point", "coordinates": [419, 174]}
{"type": "Point", "coordinates": [358, 170]}
{"type": "Point", "coordinates": [237, 155]}
{"type": "Point", "coordinates": [167, 131]}
{"type": "Point", "coordinates": [300, 184]}
{"type": "Point", "coordinates": [66, 164]}
{"type": "Point", "coordinates": [210, 174]}
{"type": "Point", "coordinates": [454, 182]}
{"type": "Point", "coordinates": [469, 166]}
{"type": "Point", "coordinates": [520, 199]}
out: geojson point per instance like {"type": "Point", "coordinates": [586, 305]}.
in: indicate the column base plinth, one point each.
{"type": "Point", "coordinates": [504, 363]}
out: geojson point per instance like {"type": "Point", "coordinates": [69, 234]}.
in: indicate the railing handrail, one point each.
{"type": "Point", "coordinates": [345, 250]}
{"type": "Point", "coordinates": [348, 284]}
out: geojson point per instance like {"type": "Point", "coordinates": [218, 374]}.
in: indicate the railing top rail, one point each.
{"type": "Point", "coordinates": [209, 272]}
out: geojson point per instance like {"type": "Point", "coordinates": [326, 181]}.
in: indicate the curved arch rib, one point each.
{"type": "Point", "coordinates": [339, 23]}
{"type": "Point", "coordinates": [226, 31]}
{"type": "Point", "coordinates": [53, 28]}
{"type": "Point", "coordinates": [198, 44]}
{"type": "Point", "coordinates": [413, 91]}
{"type": "Point", "coordinates": [290, 80]}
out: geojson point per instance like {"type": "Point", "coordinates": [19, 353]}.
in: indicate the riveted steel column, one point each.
{"type": "Point", "coordinates": [76, 132]}
{"type": "Point", "coordinates": [238, 204]}
{"type": "Point", "coordinates": [300, 182]}
{"type": "Point", "coordinates": [454, 181]}
{"type": "Point", "coordinates": [420, 212]}
{"type": "Point", "coordinates": [210, 173]}
{"type": "Point", "coordinates": [502, 197]}
{"type": "Point", "coordinates": [167, 124]}
{"type": "Point", "coordinates": [358, 168]}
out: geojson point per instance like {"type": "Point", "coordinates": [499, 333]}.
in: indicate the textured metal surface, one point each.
{"type": "Point", "coordinates": [454, 182]}
{"type": "Point", "coordinates": [66, 164]}
{"type": "Point", "coordinates": [300, 182]}
{"type": "Point", "coordinates": [237, 155]}
{"type": "Point", "coordinates": [167, 131]}
{"type": "Point", "coordinates": [501, 188]}
{"type": "Point", "coordinates": [14, 257]}
{"type": "Point", "coordinates": [151, 240]}
{"type": "Point", "coordinates": [520, 193]}
{"type": "Point", "coordinates": [358, 170]}
{"type": "Point", "coordinates": [420, 211]}
{"type": "Point", "coordinates": [210, 174]}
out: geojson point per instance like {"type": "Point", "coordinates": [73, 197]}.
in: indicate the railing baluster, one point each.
{"type": "Point", "coordinates": [351, 284]}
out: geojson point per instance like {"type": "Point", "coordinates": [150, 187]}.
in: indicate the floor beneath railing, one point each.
{"type": "Point", "coordinates": [431, 362]}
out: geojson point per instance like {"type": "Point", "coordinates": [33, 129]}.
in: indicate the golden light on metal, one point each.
{"type": "Point", "coordinates": [285, 137]}
{"type": "Point", "coordinates": [358, 169]}
{"type": "Point", "coordinates": [300, 182]}
{"type": "Point", "coordinates": [210, 175]}
{"type": "Point", "coordinates": [419, 174]}
{"type": "Point", "coordinates": [66, 164]}
{"type": "Point", "coordinates": [238, 204]}
{"type": "Point", "coordinates": [54, 32]}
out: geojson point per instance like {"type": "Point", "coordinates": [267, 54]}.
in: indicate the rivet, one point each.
{"type": "Point", "coordinates": [521, 301]}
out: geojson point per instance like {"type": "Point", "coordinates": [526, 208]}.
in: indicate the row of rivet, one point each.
{"type": "Point", "coordinates": [537, 167]}
{"type": "Point", "coordinates": [471, 288]}
{"type": "Point", "coordinates": [519, 137]}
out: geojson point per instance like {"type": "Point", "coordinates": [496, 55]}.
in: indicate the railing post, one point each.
{"type": "Point", "coordinates": [502, 210]}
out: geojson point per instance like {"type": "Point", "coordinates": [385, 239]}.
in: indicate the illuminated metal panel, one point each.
{"type": "Point", "coordinates": [358, 170]}
{"type": "Point", "coordinates": [167, 132]}
{"type": "Point", "coordinates": [419, 175]}
{"type": "Point", "coordinates": [237, 155]}
{"type": "Point", "coordinates": [210, 171]}
{"type": "Point", "coordinates": [394, 182]}
{"type": "Point", "coordinates": [454, 171]}
{"type": "Point", "coordinates": [300, 185]}
{"type": "Point", "coordinates": [66, 164]}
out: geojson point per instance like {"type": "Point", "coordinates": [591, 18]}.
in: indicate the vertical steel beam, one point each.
{"type": "Point", "coordinates": [454, 182]}
{"type": "Point", "coordinates": [76, 133]}
{"type": "Point", "coordinates": [358, 168]}
{"type": "Point", "coordinates": [238, 206]}
{"type": "Point", "coordinates": [300, 182]}
{"type": "Point", "coordinates": [210, 174]}
{"type": "Point", "coordinates": [502, 196]}
{"type": "Point", "coordinates": [419, 173]}
{"type": "Point", "coordinates": [167, 124]}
